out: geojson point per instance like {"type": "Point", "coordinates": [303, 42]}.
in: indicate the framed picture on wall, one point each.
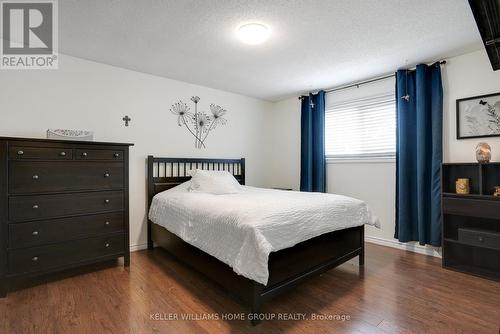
{"type": "Point", "coordinates": [478, 116]}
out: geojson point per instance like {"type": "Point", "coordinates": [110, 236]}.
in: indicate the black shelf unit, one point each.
{"type": "Point", "coordinates": [471, 223]}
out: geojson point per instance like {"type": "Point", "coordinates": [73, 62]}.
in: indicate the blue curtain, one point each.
{"type": "Point", "coordinates": [419, 104]}
{"type": "Point", "coordinates": [312, 165]}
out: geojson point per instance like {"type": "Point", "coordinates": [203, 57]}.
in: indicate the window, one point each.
{"type": "Point", "coordinates": [364, 128]}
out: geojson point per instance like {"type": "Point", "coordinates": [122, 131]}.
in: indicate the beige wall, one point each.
{"type": "Point", "coordinates": [374, 181]}
{"type": "Point", "coordinates": [87, 95]}
{"type": "Point", "coordinates": [466, 76]}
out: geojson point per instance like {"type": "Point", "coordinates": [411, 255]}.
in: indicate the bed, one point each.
{"type": "Point", "coordinates": [288, 261]}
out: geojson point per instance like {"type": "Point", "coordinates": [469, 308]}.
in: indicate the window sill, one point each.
{"type": "Point", "coordinates": [391, 160]}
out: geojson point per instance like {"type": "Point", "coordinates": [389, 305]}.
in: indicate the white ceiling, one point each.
{"type": "Point", "coordinates": [314, 44]}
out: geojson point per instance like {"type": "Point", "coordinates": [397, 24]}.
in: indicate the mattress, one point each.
{"type": "Point", "coordinates": [242, 229]}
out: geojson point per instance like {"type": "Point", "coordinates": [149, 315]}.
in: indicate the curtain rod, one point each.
{"type": "Point", "coordinates": [357, 84]}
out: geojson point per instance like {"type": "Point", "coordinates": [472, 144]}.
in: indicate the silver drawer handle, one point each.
{"type": "Point", "coordinates": [84, 154]}
{"type": "Point", "coordinates": [34, 233]}
{"type": "Point", "coordinates": [106, 201]}
{"type": "Point", "coordinates": [35, 206]}
{"type": "Point", "coordinates": [116, 155]}
{"type": "Point", "coordinates": [35, 177]}
{"type": "Point", "coordinates": [20, 152]}
{"type": "Point", "coordinates": [106, 223]}
{"type": "Point", "coordinates": [34, 258]}
{"type": "Point", "coordinates": [107, 245]}
{"type": "Point", "coordinates": [106, 174]}
{"type": "Point", "coordinates": [62, 154]}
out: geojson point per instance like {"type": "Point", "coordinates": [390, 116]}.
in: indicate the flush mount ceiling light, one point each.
{"type": "Point", "coordinates": [253, 33]}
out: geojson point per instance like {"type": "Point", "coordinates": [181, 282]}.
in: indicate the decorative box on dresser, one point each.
{"type": "Point", "coordinates": [471, 222]}
{"type": "Point", "coordinates": [63, 205]}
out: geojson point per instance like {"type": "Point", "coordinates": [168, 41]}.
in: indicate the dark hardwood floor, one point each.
{"type": "Point", "coordinates": [396, 292]}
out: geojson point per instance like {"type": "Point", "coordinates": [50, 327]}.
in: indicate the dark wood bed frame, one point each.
{"type": "Point", "coordinates": [287, 267]}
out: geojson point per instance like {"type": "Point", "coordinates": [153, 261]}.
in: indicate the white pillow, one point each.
{"type": "Point", "coordinates": [214, 182]}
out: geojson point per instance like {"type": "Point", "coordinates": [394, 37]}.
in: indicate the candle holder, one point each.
{"type": "Point", "coordinates": [463, 186]}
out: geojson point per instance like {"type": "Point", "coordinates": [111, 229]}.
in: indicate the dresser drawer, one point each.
{"type": "Point", "coordinates": [24, 208]}
{"type": "Point", "coordinates": [472, 207]}
{"type": "Point", "coordinates": [33, 176]}
{"type": "Point", "coordinates": [44, 153]}
{"type": "Point", "coordinates": [62, 254]}
{"type": "Point", "coordinates": [110, 155]}
{"type": "Point", "coordinates": [37, 233]}
{"type": "Point", "coordinates": [479, 238]}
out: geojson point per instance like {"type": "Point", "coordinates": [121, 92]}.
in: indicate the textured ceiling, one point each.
{"type": "Point", "coordinates": [314, 44]}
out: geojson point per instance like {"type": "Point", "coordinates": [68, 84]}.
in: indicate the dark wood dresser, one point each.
{"type": "Point", "coordinates": [63, 204]}
{"type": "Point", "coordinates": [471, 222]}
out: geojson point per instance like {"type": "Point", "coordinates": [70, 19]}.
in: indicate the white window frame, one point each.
{"type": "Point", "coordinates": [360, 158]}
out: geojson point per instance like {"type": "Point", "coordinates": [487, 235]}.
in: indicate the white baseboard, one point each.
{"type": "Point", "coordinates": [135, 248]}
{"type": "Point", "coordinates": [412, 247]}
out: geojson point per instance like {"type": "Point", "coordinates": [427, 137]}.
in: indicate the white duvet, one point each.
{"type": "Point", "coordinates": [242, 229]}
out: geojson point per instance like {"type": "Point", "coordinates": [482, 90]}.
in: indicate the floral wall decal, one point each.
{"type": "Point", "coordinates": [199, 123]}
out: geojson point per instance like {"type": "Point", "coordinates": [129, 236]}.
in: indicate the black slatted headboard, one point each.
{"type": "Point", "coordinates": [166, 173]}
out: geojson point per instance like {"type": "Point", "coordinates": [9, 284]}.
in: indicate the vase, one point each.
{"type": "Point", "coordinates": [483, 153]}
